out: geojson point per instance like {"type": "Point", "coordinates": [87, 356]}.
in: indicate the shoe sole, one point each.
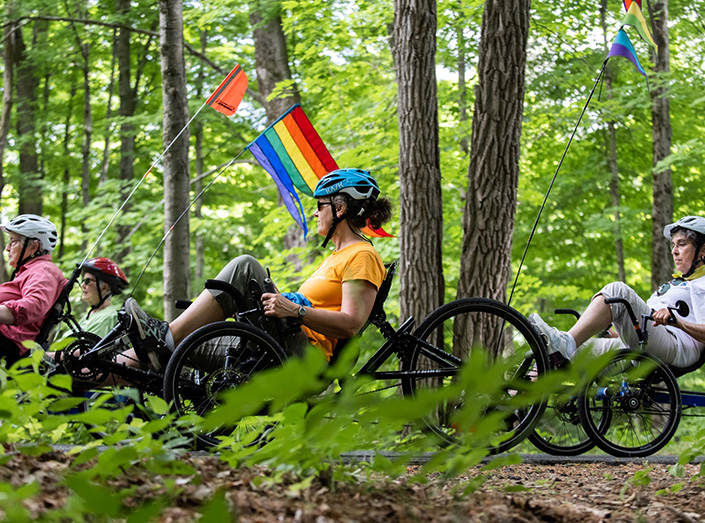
{"type": "Point", "coordinates": [152, 355]}
{"type": "Point", "coordinates": [135, 318]}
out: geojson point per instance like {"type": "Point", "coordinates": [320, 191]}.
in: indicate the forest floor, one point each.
{"type": "Point", "coordinates": [586, 492]}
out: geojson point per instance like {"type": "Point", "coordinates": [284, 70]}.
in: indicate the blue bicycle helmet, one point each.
{"type": "Point", "coordinates": [356, 183]}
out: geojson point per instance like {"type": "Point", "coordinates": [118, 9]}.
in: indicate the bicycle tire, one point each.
{"type": "Point", "coordinates": [559, 432]}
{"type": "Point", "coordinates": [193, 388]}
{"type": "Point", "coordinates": [481, 323]}
{"type": "Point", "coordinates": [645, 403]}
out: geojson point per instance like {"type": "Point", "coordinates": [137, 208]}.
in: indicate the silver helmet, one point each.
{"type": "Point", "coordinates": [34, 227]}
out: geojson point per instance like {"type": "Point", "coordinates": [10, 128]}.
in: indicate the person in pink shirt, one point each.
{"type": "Point", "coordinates": [35, 284]}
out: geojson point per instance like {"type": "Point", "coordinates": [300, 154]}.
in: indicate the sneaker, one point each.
{"type": "Point", "coordinates": [148, 336]}
{"type": "Point", "coordinates": [557, 342]}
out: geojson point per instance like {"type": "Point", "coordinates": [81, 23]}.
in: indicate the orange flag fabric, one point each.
{"type": "Point", "coordinates": [227, 97]}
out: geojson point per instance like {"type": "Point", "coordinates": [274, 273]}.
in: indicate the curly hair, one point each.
{"type": "Point", "coordinates": [377, 210]}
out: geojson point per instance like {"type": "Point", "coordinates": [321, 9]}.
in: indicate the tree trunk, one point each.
{"type": "Point", "coordinates": [67, 172]}
{"type": "Point", "coordinates": [177, 273]}
{"type": "Point", "coordinates": [612, 155]}
{"type": "Point", "coordinates": [272, 66]}
{"type": "Point", "coordinates": [84, 49]}
{"type": "Point", "coordinates": [662, 206]}
{"type": "Point", "coordinates": [488, 219]}
{"type": "Point", "coordinates": [105, 163]}
{"type": "Point", "coordinates": [8, 83]}
{"type": "Point", "coordinates": [198, 185]}
{"type": "Point", "coordinates": [421, 217]}
{"type": "Point", "coordinates": [30, 183]}
{"type": "Point", "coordinates": [128, 101]}
{"type": "Point", "coordinates": [462, 87]}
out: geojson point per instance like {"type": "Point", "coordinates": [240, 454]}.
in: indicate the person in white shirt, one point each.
{"type": "Point", "coordinates": [678, 343]}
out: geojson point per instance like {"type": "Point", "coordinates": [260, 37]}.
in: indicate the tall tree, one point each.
{"type": "Point", "coordinates": [30, 184]}
{"type": "Point", "coordinates": [177, 273]}
{"type": "Point", "coordinates": [128, 92]}
{"type": "Point", "coordinates": [8, 32]}
{"type": "Point", "coordinates": [488, 219]}
{"type": "Point", "coordinates": [421, 236]}
{"type": "Point", "coordinates": [273, 72]}
{"type": "Point", "coordinates": [128, 101]}
{"type": "Point", "coordinates": [85, 50]}
{"type": "Point", "coordinates": [661, 133]}
{"type": "Point", "coordinates": [612, 154]}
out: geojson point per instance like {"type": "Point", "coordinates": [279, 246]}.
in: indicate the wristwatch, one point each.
{"type": "Point", "coordinates": [302, 312]}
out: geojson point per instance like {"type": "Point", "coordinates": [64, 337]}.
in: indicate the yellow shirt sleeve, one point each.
{"type": "Point", "coordinates": [324, 288]}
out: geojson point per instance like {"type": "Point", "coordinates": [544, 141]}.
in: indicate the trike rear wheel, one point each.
{"type": "Point", "coordinates": [644, 402]}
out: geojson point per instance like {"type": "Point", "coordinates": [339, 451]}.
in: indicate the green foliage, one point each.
{"type": "Point", "coordinates": [639, 479]}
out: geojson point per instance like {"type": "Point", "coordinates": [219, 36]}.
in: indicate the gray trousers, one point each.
{"type": "Point", "coordinates": [238, 273]}
{"type": "Point", "coordinates": [662, 342]}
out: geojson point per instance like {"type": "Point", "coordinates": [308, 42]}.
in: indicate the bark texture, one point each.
{"type": "Point", "coordinates": [612, 156]}
{"type": "Point", "coordinates": [272, 66]}
{"type": "Point", "coordinates": [128, 101]}
{"type": "Point", "coordinates": [30, 183]}
{"type": "Point", "coordinates": [7, 102]}
{"type": "Point", "coordinates": [488, 219]}
{"type": "Point", "coordinates": [421, 217]}
{"type": "Point", "coordinates": [177, 272]}
{"type": "Point", "coordinates": [662, 206]}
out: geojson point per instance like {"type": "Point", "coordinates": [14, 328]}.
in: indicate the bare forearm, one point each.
{"type": "Point", "coordinates": [333, 324]}
{"type": "Point", "coordinates": [695, 330]}
{"type": "Point", "coordinates": [6, 315]}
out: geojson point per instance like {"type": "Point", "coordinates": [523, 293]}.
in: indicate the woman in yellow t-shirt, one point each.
{"type": "Point", "coordinates": [333, 304]}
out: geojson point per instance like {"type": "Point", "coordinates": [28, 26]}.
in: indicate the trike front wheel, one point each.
{"type": "Point", "coordinates": [489, 377]}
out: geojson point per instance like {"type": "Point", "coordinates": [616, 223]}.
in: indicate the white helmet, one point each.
{"type": "Point", "coordinates": [34, 227]}
{"type": "Point", "coordinates": [693, 223]}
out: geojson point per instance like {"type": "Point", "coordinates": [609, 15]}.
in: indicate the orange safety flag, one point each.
{"type": "Point", "coordinates": [227, 97]}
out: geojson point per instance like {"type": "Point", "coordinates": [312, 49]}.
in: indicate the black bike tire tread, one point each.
{"type": "Point", "coordinates": [512, 316]}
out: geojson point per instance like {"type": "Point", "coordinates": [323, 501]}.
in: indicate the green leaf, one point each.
{"type": "Point", "coordinates": [516, 488]}
{"type": "Point", "coordinates": [34, 450]}
{"type": "Point", "coordinates": [217, 510]}
{"type": "Point", "coordinates": [97, 499]}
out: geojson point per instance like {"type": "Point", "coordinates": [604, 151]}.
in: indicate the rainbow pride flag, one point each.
{"type": "Point", "coordinates": [294, 155]}
{"type": "Point", "coordinates": [635, 17]}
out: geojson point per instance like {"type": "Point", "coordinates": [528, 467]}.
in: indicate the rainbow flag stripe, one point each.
{"type": "Point", "coordinates": [294, 155]}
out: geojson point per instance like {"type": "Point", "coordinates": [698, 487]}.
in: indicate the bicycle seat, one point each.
{"type": "Point", "coordinates": [681, 371]}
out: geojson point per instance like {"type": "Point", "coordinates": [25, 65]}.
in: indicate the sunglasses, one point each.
{"type": "Point", "coordinates": [320, 204]}
{"type": "Point", "coordinates": [86, 282]}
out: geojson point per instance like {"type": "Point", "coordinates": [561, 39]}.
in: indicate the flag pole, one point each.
{"type": "Point", "coordinates": [187, 209]}
{"type": "Point", "coordinates": [134, 189]}
{"type": "Point", "coordinates": [553, 180]}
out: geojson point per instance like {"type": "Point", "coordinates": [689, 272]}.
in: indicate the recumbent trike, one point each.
{"type": "Point", "coordinates": [431, 357]}
{"type": "Point", "coordinates": [629, 408]}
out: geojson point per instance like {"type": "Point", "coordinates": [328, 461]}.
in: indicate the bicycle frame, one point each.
{"type": "Point", "coordinates": [401, 343]}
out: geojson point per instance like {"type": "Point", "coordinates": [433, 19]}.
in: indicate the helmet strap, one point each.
{"type": "Point", "coordinates": [21, 260]}
{"type": "Point", "coordinates": [101, 298]}
{"type": "Point", "coordinates": [336, 220]}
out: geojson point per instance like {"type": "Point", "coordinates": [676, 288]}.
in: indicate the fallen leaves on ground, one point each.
{"type": "Point", "coordinates": [585, 492]}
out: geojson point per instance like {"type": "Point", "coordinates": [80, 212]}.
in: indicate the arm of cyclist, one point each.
{"type": "Point", "coordinates": [358, 299]}
{"type": "Point", "coordinates": [694, 330]}
{"type": "Point", "coordinates": [39, 291]}
{"type": "Point", "coordinates": [6, 315]}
